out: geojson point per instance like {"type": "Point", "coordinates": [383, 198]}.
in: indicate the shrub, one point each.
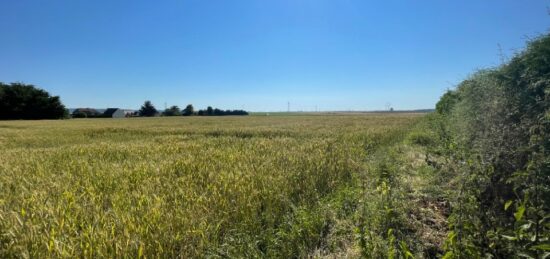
{"type": "Point", "coordinates": [499, 149]}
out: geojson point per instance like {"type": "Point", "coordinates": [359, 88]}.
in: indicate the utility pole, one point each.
{"type": "Point", "coordinates": [288, 107]}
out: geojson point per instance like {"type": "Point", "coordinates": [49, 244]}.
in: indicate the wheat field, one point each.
{"type": "Point", "coordinates": [182, 186]}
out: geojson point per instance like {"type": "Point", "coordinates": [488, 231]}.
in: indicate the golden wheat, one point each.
{"type": "Point", "coordinates": [169, 187]}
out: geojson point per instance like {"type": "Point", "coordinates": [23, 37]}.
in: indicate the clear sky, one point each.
{"type": "Point", "coordinates": [259, 54]}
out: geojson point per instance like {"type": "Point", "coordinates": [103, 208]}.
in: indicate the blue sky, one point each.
{"type": "Point", "coordinates": [259, 54]}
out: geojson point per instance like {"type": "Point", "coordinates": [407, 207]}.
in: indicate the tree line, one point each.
{"type": "Point", "coordinates": [27, 102]}
{"type": "Point", "coordinates": [149, 110]}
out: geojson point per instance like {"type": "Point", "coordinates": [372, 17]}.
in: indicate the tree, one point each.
{"type": "Point", "coordinates": [86, 113]}
{"type": "Point", "coordinates": [218, 112]}
{"type": "Point", "coordinates": [80, 115]}
{"type": "Point", "coordinates": [189, 110]}
{"type": "Point", "coordinates": [147, 109]}
{"type": "Point", "coordinates": [209, 111]}
{"type": "Point", "coordinates": [21, 101]}
{"type": "Point", "coordinates": [172, 111]}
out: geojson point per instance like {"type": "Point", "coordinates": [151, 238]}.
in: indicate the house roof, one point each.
{"type": "Point", "coordinates": [110, 111]}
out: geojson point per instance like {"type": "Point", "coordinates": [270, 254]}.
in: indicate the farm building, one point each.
{"type": "Point", "coordinates": [114, 113]}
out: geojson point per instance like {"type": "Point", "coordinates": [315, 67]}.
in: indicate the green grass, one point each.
{"type": "Point", "coordinates": [252, 186]}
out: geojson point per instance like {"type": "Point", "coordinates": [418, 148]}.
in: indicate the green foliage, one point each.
{"type": "Point", "coordinates": [497, 127]}
{"type": "Point", "coordinates": [172, 111]}
{"type": "Point", "coordinates": [382, 228]}
{"type": "Point", "coordinates": [79, 114]}
{"type": "Point", "coordinates": [148, 109]}
{"type": "Point", "coordinates": [447, 102]}
{"type": "Point", "coordinates": [189, 110]}
{"type": "Point", "coordinates": [22, 101]}
{"type": "Point", "coordinates": [217, 112]}
{"type": "Point", "coordinates": [86, 113]}
{"type": "Point", "coordinates": [421, 138]}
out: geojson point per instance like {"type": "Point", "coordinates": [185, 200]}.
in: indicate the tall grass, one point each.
{"type": "Point", "coordinates": [182, 187]}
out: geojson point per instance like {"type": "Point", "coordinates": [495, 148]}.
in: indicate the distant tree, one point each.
{"type": "Point", "coordinates": [189, 110]}
{"type": "Point", "coordinates": [147, 109]}
{"type": "Point", "coordinates": [22, 101]}
{"type": "Point", "coordinates": [79, 115]}
{"type": "Point", "coordinates": [218, 112]}
{"type": "Point", "coordinates": [172, 111]}
{"type": "Point", "coordinates": [86, 113]}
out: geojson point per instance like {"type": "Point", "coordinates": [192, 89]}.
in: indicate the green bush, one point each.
{"type": "Point", "coordinates": [498, 128]}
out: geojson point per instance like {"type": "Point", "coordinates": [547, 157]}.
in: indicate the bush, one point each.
{"type": "Point", "coordinates": [447, 102]}
{"type": "Point", "coordinates": [499, 149]}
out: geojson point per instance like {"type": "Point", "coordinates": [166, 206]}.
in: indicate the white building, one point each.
{"type": "Point", "coordinates": [114, 113]}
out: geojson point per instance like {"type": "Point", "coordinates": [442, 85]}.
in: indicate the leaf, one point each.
{"type": "Point", "coordinates": [519, 213]}
{"type": "Point", "coordinates": [526, 226]}
{"type": "Point", "coordinates": [543, 247]}
{"type": "Point", "coordinates": [406, 251]}
{"type": "Point", "coordinates": [526, 255]}
{"type": "Point", "coordinates": [448, 255]}
{"type": "Point", "coordinates": [511, 238]}
{"type": "Point", "coordinates": [140, 251]}
{"type": "Point", "coordinates": [507, 204]}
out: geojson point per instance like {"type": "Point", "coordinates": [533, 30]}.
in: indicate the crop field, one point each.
{"type": "Point", "coordinates": [168, 187]}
